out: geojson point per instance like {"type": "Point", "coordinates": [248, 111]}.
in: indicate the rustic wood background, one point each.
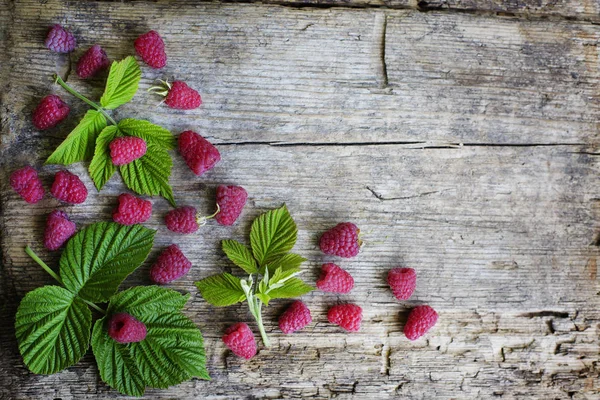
{"type": "Point", "coordinates": [461, 136]}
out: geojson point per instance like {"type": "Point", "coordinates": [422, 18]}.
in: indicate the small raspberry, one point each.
{"type": "Point", "coordinates": [171, 264]}
{"type": "Point", "coordinates": [50, 112]}
{"type": "Point", "coordinates": [59, 229]}
{"type": "Point", "coordinates": [151, 48]}
{"type": "Point", "coordinates": [124, 150]}
{"type": "Point", "coordinates": [420, 320]}
{"type": "Point", "coordinates": [182, 97]}
{"type": "Point", "coordinates": [27, 184]}
{"type": "Point", "coordinates": [91, 62]}
{"type": "Point", "coordinates": [341, 240]}
{"type": "Point", "coordinates": [68, 187]}
{"type": "Point", "coordinates": [199, 154]}
{"type": "Point", "coordinates": [231, 201]}
{"type": "Point", "coordinates": [124, 328]}
{"type": "Point", "coordinates": [132, 210]}
{"type": "Point", "coordinates": [334, 279]}
{"type": "Point", "coordinates": [240, 339]}
{"type": "Point", "coordinates": [348, 316]}
{"type": "Point", "coordinates": [182, 220]}
{"type": "Point", "coordinates": [403, 282]}
{"type": "Point", "coordinates": [60, 40]}
{"type": "Point", "coordinates": [296, 317]}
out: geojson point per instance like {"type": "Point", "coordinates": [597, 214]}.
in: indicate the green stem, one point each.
{"type": "Point", "coordinates": [259, 321]}
{"type": "Point", "coordinates": [95, 307]}
{"type": "Point", "coordinates": [69, 89]}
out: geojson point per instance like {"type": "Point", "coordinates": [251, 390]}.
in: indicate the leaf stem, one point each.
{"type": "Point", "coordinates": [95, 307]}
{"type": "Point", "coordinates": [42, 264]}
{"type": "Point", "coordinates": [259, 321]}
{"type": "Point", "coordinates": [81, 97]}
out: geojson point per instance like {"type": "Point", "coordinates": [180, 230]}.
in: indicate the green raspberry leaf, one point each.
{"type": "Point", "coordinates": [273, 234]}
{"type": "Point", "coordinates": [240, 255]}
{"type": "Point", "coordinates": [288, 261]}
{"type": "Point", "coordinates": [53, 329]}
{"type": "Point", "coordinates": [293, 287]}
{"type": "Point", "coordinates": [122, 83]}
{"type": "Point", "coordinates": [221, 290]}
{"type": "Point", "coordinates": [101, 168]}
{"type": "Point", "coordinates": [151, 133]}
{"type": "Point", "coordinates": [147, 300]}
{"type": "Point", "coordinates": [280, 276]}
{"type": "Point", "coordinates": [265, 298]}
{"type": "Point", "coordinates": [79, 144]}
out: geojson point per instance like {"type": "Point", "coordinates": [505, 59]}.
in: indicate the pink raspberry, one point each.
{"type": "Point", "coordinates": [341, 240]}
{"type": "Point", "coordinates": [124, 150]}
{"type": "Point", "coordinates": [171, 264]}
{"type": "Point", "coordinates": [199, 154]}
{"type": "Point", "coordinates": [296, 317]}
{"type": "Point", "coordinates": [91, 62]}
{"type": "Point", "coordinates": [27, 184]}
{"type": "Point", "coordinates": [50, 112]}
{"type": "Point", "coordinates": [124, 328]}
{"type": "Point", "coordinates": [403, 282]}
{"type": "Point", "coordinates": [182, 220]}
{"type": "Point", "coordinates": [132, 210]}
{"type": "Point", "coordinates": [348, 316]}
{"type": "Point", "coordinates": [231, 201]}
{"type": "Point", "coordinates": [182, 97]}
{"type": "Point", "coordinates": [240, 339]}
{"type": "Point", "coordinates": [60, 40]}
{"type": "Point", "coordinates": [59, 229]}
{"type": "Point", "coordinates": [151, 48]}
{"type": "Point", "coordinates": [334, 279]}
{"type": "Point", "coordinates": [68, 187]}
{"type": "Point", "coordinates": [420, 320]}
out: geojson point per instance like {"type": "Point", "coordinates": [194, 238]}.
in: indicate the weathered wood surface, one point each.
{"type": "Point", "coordinates": [463, 145]}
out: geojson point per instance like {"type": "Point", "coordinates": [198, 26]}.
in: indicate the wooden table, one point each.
{"type": "Point", "coordinates": [463, 141]}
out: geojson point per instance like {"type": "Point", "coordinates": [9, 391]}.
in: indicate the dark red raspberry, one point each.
{"type": "Point", "coordinates": [124, 328]}
{"type": "Point", "coordinates": [59, 229]}
{"type": "Point", "coordinates": [341, 240]}
{"type": "Point", "coordinates": [27, 184]}
{"type": "Point", "coordinates": [151, 48]}
{"type": "Point", "coordinates": [171, 264]}
{"type": "Point", "coordinates": [199, 154]}
{"type": "Point", "coordinates": [60, 40]}
{"type": "Point", "coordinates": [182, 97]}
{"type": "Point", "coordinates": [420, 320]}
{"type": "Point", "coordinates": [50, 112]}
{"type": "Point", "coordinates": [348, 316]}
{"type": "Point", "coordinates": [132, 210]}
{"type": "Point", "coordinates": [334, 279]}
{"type": "Point", "coordinates": [182, 220]}
{"type": "Point", "coordinates": [68, 187]}
{"type": "Point", "coordinates": [124, 150]}
{"type": "Point", "coordinates": [296, 317]}
{"type": "Point", "coordinates": [92, 61]}
{"type": "Point", "coordinates": [403, 282]}
{"type": "Point", "coordinates": [240, 339]}
{"type": "Point", "coordinates": [231, 201]}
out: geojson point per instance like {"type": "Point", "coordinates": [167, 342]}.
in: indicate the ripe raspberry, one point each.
{"type": "Point", "coordinates": [124, 328]}
{"type": "Point", "coordinates": [151, 48]}
{"type": "Point", "coordinates": [60, 40]}
{"type": "Point", "coordinates": [59, 229]}
{"type": "Point", "coordinates": [348, 316]}
{"type": "Point", "coordinates": [50, 112]}
{"type": "Point", "coordinates": [334, 279]}
{"type": "Point", "coordinates": [124, 150]}
{"type": "Point", "coordinates": [199, 154]}
{"type": "Point", "coordinates": [296, 317]}
{"type": "Point", "coordinates": [420, 320]}
{"type": "Point", "coordinates": [91, 62]}
{"type": "Point", "coordinates": [132, 210]}
{"type": "Point", "coordinates": [231, 201]}
{"type": "Point", "coordinates": [182, 220]}
{"type": "Point", "coordinates": [240, 339]}
{"type": "Point", "coordinates": [27, 184]}
{"type": "Point", "coordinates": [182, 97]}
{"type": "Point", "coordinates": [171, 264]}
{"type": "Point", "coordinates": [403, 282]}
{"type": "Point", "coordinates": [341, 240]}
{"type": "Point", "coordinates": [68, 187]}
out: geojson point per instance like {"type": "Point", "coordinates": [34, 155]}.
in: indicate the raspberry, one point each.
{"type": "Point", "coordinates": [124, 328]}
{"type": "Point", "coordinates": [91, 62]}
{"type": "Point", "coordinates": [402, 281]}
{"type": "Point", "coordinates": [231, 201]}
{"type": "Point", "coordinates": [27, 184]}
{"type": "Point", "coordinates": [132, 210]}
{"type": "Point", "coordinates": [50, 112]}
{"type": "Point", "coordinates": [420, 320]}
{"type": "Point", "coordinates": [171, 265]}
{"type": "Point", "coordinates": [199, 154]}
{"type": "Point", "coordinates": [182, 97]}
{"type": "Point", "coordinates": [348, 316]}
{"type": "Point", "coordinates": [341, 240]}
{"type": "Point", "coordinates": [68, 187]}
{"type": "Point", "coordinates": [296, 317]}
{"type": "Point", "coordinates": [182, 220]}
{"type": "Point", "coordinates": [124, 150]}
{"type": "Point", "coordinates": [151, 48]}
{"type": "Point", "coordinates": [59, 229]}
{"type": "Point", "coordinates": [60, 40]}
{"type": "Point", "coordinates": [240, 339]}
{"type": "Point", "coordinates": [334, 279]}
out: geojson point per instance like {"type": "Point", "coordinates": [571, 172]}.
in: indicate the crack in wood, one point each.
{"type": "Point", "coordinates": [545, 313]}
{"type": "Point", "coordinates": [382, 198]}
